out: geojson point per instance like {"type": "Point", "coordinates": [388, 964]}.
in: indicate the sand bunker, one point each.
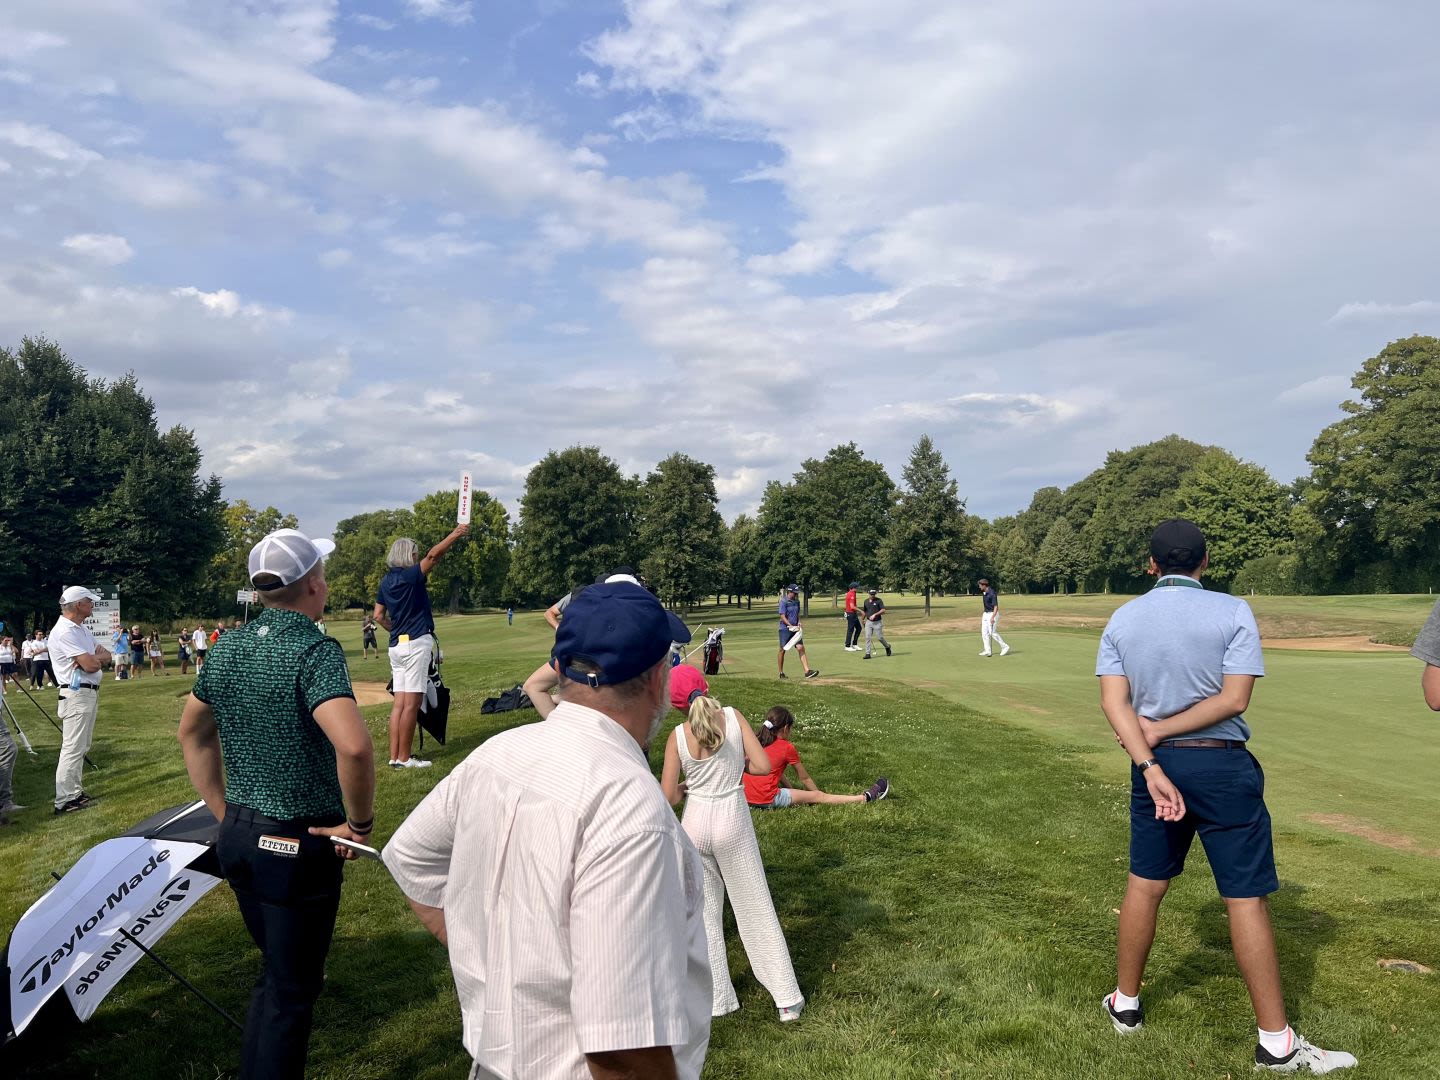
{"type": "Point", "coordinates": [370, 693]}
{"type": "Point", "coordinates": [1348, 643]}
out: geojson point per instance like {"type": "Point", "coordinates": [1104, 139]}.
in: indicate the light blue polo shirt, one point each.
{"type": "Point", "coordinates": [1176, 644]}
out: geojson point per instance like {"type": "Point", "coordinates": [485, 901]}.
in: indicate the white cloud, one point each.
{"type": "Point", "coordinates": [437, 247]}
{"type": "Point", "coordinates": [1372, 310]}
{"type": "Point", "coordinates": [227, 305]}
{"type": "Point", "coordinates": [334, 258]}
{"type": "Point", "coordinates": [374, 22]}
{"type": "Point", "coordinates": [102, 247]}
{"type": "Point", "coordinates": [412, 86]}
{"type": "Point", "coordinates": [1331, 389]}
{"type": "Point", "coordinates": [46, 143]}
{"type": "Point", "coordinates": [454, 12]}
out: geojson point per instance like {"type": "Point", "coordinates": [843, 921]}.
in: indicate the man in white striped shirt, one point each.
{"type": "Point", "coordinates": [554, 870]}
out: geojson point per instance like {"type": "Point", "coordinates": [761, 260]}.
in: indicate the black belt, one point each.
{"type": "Point", "coordinates": [84, 686]}
{"type": "Point", "coordinates": [1202, 744]}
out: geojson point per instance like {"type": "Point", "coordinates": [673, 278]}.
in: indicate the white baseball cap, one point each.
{"type": "Point", "coordinates": [73, 594]}
{"type": "Point", "coordinates": [287, 554]}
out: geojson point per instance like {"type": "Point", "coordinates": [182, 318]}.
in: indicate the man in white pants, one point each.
{"type": "Point", "coordinates": [989, 618]}
{"type": "Point", "coordinates": [79, 663]}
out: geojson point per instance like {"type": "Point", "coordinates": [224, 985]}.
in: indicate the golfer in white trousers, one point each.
{"type": "Point", "coordinates": [990, 617]}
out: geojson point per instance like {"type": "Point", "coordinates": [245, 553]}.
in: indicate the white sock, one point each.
{"type": "Point", "coordinates": [1123, 1003]}
{"type": "Point", "coordinates": [1277, 1043]}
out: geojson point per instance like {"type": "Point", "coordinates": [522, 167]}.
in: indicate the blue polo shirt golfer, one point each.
{"type": "Point", "coordinates": [790, 634]}
{"type": "Point", "coordinates": [1177, 667]}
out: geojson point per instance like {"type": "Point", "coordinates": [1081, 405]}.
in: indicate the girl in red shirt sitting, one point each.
{"type": "Point", "coordinates": [772, 792]}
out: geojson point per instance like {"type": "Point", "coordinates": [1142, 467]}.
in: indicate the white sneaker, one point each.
{"type": "Point", "coordinates": [414, 763]}
{"type": "Point", "coordinates": [1304, 1058]}
{"type": "Point", "coordinates": [1004, 650]}
{"type": "Point", "coordinates": [984, 654]}
{"type": "Point", "coordinates": [792, 1012]}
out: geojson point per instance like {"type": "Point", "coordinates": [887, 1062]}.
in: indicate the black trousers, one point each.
{"type": "Point", "coordinates": [852, 629]}
{"type": "Point", "coordinates": [289, 902]}
{"type": "Point", "coordinates": [40, 670]}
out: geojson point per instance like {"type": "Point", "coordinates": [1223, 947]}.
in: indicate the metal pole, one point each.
{"type": "Point", "coordinates": [181, 979]}
{"type": "Point", "coordinates": [24, 739]}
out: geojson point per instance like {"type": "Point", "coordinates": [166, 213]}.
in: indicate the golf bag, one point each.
{"type": "Point", "coordinates": [712, 653]}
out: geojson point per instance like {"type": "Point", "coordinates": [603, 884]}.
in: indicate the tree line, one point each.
{"type": "Point", "coordinates": [92, 491]}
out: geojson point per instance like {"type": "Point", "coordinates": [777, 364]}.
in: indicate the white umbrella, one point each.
{"type": "Point", "coordinates": [118, 900]}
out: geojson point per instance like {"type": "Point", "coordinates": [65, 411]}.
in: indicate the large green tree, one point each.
{"type": "Point", "coordinates": [1062, 558]}
{"type": "Point", "coordinates": [1136, 490]}
{"type": "Point", "coordinates": [229, 570]}
{"type": "Point", "coordinates": [681, 532]}
{"type": "Point", "coordinates": [1016, 560]}
{"type": "Point", "coordinates": [1369, 513]}
{"type": "Point", "coordinates": [356, 566]}
{"type": "Point", "coordinates": [926, 547]}
{"type": "Point", "coordinates": [826, 526]}
{"type": "Point", "coordinates": [745, 562]}
{"type": "Point", "coordinates": [473, 570]}
{"type": "Point", "coordinates": [123, 503]}
{"type": "Point", "coordinates": [577, 519]}
{"type": "Point", "coordinates": [1242, 511]}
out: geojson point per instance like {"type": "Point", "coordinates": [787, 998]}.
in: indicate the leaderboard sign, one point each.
{"type": "Point", "coordinates": [104, 621]}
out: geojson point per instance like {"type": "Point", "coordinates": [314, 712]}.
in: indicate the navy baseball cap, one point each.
{"type": "Point", "coordinates": [617, 627]}
{"type": "Point", "coordinates": [792, 588]}
{"type": "Point", "coordinates": [1177, 542]}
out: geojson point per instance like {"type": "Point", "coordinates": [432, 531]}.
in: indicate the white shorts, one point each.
{"type": "Point", "coordinates": [410, 664]}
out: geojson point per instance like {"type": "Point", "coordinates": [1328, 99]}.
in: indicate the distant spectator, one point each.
{"type": "Point", "coordinates": [183, 644]}
{"type": "Point", "coordinates": [156, 649]}
{"type": "Point", "coordinates": [137, 652]}
{"type": "Point", "coordinates": [367, 632]}
{"type": "Point", "coordinates": [9, 661]}
{"type": "Point", "coordinates": [122, 654]}
{"type": "Point", "coordinates": [509, 616]}
{"type": "Point", "coordinates": [8, 753]}
{"type": "Point", "coordinates": [40, 667]}
{"type": "Point", "coordinates": [27, 654]}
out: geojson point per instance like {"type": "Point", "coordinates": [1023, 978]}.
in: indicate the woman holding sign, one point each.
{"type": "Point", "coordinates": [403, 608]}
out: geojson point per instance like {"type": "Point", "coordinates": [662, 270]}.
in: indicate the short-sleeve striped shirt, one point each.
{"type": "Point", "coordinates": [574, 901]}
{"type": "Point", "coordinates": [263, 683]}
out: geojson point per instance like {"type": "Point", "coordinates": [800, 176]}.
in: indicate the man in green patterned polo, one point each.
{"type": "Point", "coordinates": [275, 745]}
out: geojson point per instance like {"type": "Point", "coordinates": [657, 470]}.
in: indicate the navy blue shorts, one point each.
{"type": "Point", "coordinates": [786, 634]}
{"type": "Point", "coordinates": [1224, 794]}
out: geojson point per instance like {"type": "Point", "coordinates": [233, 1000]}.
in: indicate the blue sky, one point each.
{"type": "Point", "coordinates": [361, 247]}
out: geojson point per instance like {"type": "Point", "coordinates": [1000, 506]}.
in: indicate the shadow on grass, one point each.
{"type": "Point", "coordinates": [1301, 932]}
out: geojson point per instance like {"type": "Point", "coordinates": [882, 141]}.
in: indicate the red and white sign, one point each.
{"type": "Point", "coordinates": [462, 515]}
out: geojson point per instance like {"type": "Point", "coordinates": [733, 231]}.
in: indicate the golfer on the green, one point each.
{"type": "Point", "coordinates": [790, 629]}
{"type": "Point", "coordinates": [1177, 667]}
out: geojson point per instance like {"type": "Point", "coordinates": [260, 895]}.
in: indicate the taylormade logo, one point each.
{"type": "Point", "coordinates": [175, 893]}
{"type": "Point", "coordinates": [47, 963]}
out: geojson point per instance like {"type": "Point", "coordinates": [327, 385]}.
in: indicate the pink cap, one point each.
{"type": "Point", "coordinates": [685, 679]}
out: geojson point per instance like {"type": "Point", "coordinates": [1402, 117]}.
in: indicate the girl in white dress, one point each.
{"type": "Point", "coordinates": [712, 748]}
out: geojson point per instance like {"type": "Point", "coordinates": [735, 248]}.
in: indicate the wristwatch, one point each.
{"type": "Point", "coordinates": [1147, 763]}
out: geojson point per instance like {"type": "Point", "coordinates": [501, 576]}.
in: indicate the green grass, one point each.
{"type": "Point", "coordinates": [964, 927]}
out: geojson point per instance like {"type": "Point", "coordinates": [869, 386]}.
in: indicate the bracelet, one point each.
{"type": "Point", "coordinates": [361, 826]}
{"type": "Point", "coordinates": [1147, 764]}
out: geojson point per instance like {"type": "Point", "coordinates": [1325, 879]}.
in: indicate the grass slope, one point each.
{"type": "Point", "coordinates": [963, 927]}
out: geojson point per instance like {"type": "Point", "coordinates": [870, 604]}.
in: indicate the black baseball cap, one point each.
{"type": "Point", "coordinates": [1177, 542]}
